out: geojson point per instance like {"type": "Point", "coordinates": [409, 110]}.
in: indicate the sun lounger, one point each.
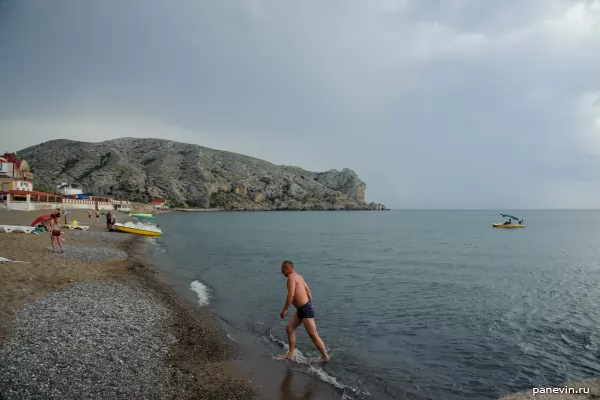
{"type": "Point", "coordinates": [6, 228]}
{"type": "Point", "coordinates": [4, 259]}
{"type": "Point", "coordinates": [77, 225]}
{"type": "Point", "coordinates": [81, 227]}
{"type": "Point", "coordinates": [17, 228]}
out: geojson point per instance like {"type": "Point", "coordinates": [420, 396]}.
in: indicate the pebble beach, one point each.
{"type": "Point", "coordinates": [95, 323]}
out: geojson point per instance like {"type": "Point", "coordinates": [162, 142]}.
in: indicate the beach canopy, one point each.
{"type": "Point", "coordinates": [509, 216]}
{"type": "Point", "coordinates": [40, 219]}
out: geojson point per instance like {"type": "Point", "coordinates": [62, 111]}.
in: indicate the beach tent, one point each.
{"type": "Point", "coordinates": [40, 219]}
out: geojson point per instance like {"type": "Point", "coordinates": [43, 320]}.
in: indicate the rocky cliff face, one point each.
{"type": "Point", "coordinates": [191, 176]}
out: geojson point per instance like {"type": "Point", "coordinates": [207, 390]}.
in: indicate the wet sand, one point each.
{"type": "Point", "coordinates": [201, 351]}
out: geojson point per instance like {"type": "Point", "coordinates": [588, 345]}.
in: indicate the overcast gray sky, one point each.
{"type": "Point", "coordinates": [434, 103]}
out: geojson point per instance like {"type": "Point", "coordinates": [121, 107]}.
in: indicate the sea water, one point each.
{"type": "Point", "coordinates": [411, 304]}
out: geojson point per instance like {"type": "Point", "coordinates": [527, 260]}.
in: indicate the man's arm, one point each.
{"type": "Point", "coordinates": [308, 292]}
{"type": "Point", "coordinates": [291, 287]}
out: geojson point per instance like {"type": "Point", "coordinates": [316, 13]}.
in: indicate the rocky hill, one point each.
{"type": "Point", "coordinates": [191, 176]}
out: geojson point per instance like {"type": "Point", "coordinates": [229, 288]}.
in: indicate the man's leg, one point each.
{"type": "Point", "coordinates": [291, 332]}
{"type": "Point", "coordinates": [311, 328]}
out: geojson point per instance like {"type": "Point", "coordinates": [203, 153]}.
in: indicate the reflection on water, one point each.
{"type": "Point", "coordinates": [288, 392]}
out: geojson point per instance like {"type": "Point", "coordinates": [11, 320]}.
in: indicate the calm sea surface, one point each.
{"type": "Point", "coordinates": [411, 304]}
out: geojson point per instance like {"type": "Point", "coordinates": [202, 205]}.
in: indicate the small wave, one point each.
{"type": "Point", "coordinates": [525, 347]}
{"type": "Point", "coordinates": [154, 241]}
{"type": "Point", "coordinates": [202, 291]}
{"type": "Point", "coordinates": [300, 358]}
{"type": "Point", "coordinates": [231, 338]}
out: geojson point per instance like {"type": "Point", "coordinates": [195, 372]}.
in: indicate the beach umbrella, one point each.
{"type": "Point", "coordinates": [40, 219]}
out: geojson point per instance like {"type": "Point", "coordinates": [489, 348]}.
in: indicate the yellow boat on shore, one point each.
{"type": "Point", "coordinates": [138, 229]}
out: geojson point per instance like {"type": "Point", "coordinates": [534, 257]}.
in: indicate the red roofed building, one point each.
{"type": "Point", "coordinates": [159, 203]}
{"type": "Point", "coordinates": [14, 174]}
{"type": "Point", "coordinates": [16, 191]}
{"type": "Point", "coordinates": [16, 186]}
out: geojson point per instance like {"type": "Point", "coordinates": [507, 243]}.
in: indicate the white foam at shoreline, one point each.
{"type": "Point", "coordinates": [202, 291]}
{"type": "Point", "coordinates": [230, 337]}
{"type": "Point", "coordinates": [155, 243]}
{"type": "Point", "coordinates": [300, 358]}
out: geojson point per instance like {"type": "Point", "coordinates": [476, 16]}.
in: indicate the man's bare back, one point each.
{"type": "Point", "coordinates": [300, 289]}
{"type": "Point", "coordinates": [300, 296]}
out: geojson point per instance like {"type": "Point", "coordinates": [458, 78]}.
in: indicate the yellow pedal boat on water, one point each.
{"type": "Point", "coordinates": [138, 229]}
{"type": "Point", "coordinates": [509, 224]}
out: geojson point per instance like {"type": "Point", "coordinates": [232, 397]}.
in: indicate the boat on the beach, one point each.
{"type": "Point", "coordinates": [150, 216]}
{"type": "Point", "coordinates": [509, 224]}
{"type": "Point", "coordinates": [138, 228]}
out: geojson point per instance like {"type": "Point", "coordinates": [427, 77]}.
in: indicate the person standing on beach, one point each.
{"type": "Point", "coordinates": [55, 232]}
{"type": "Point", "coordinates": [90, 216]}
{"type": "Point", "coordinates": [300, 296]}
{"type": "Point", "coordinates": [64, 212]}
{"type": "Point", "coordinates": [97, 217]}
{"type": "Point", "coordinates": [113, 221]}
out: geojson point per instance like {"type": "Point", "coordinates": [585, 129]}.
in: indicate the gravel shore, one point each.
{"type": "Point", "coordinates": [95, 340]}
{"type": "Point", "coordinates": [91, 254]}
{"type": "Point", "coordinates": [102, 237]}
{"type": "Point", "coordinates": [94, 323]}
{"type": "Point", "coordinates": [125, 339]}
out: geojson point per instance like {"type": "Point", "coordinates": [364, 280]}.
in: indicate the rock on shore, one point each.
{"type": "Point", "coordinates": [192, 176]}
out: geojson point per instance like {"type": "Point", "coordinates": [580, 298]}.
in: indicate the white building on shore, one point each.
{"type": "Point", "coordinates": [122, 205]}
{"type": "Point", "coordinates": [67, 189]}
{"type": "Point", "coordinates": [16, 191]}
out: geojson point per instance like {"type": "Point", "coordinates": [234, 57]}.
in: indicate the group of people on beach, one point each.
{"type": "Point", "coordinates": [56, 234]}
{"type": "Point", "coordinates": [111, 219]}
{"type": "Point", "coordinates": [97, 217]}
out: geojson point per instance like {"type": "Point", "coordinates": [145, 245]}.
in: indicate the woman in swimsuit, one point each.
{"type": "Point", "coordinates": [55, 233]}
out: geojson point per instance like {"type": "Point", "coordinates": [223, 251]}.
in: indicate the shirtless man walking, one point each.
{"type": "Point", "coordinates": [300, 296]}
